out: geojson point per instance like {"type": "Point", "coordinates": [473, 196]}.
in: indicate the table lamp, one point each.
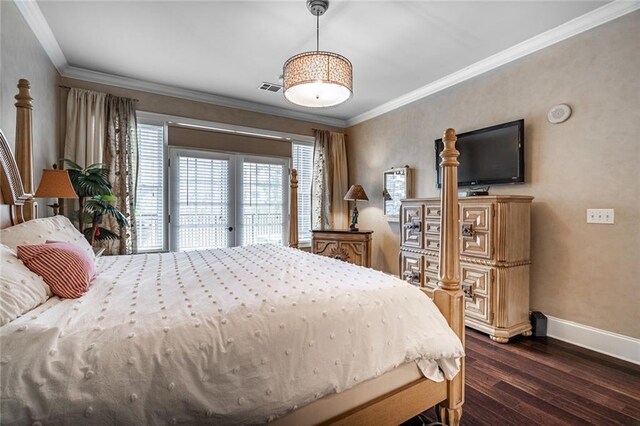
{"type": "Point", "coordinates": [55, 184]}
{"type": "Point", "coordinates": [355, 193]}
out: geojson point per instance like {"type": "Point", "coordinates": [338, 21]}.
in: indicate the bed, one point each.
{"type": "Point", "coordinates": [233, 336]}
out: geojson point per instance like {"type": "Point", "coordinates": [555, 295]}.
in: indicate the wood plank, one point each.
{"type": "Point", "coordinates": [502, 414]}
{"type": "Point", "coordinates": [573, 379]}
{"type": "Point", "coordinates": [545, 381]}
{"type": "Point", "coordinates": [553, 389]}
{"type": "Point", "coordinates": [568, 398]}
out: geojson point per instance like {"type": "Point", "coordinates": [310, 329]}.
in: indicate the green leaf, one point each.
{"type": "Point", "coordinates": [103, 207]}
{"type": "Point", "coordinates": [72, 164]}
{"type": "Point", "coordinates": [108, 197]}
{"type": "Point", "coordinates": [94, 166]}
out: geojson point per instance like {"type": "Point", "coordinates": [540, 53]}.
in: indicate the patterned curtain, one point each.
{"type": "Point", "coordinates": [121, 158]}
{"type": "Point", "coordinates": [320, 195]}
{"type": "Point", "coordinates": [330, 182]}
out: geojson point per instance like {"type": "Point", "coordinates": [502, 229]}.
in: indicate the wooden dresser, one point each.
{"type": "Point", "coordinates": [494, 258]}
{"type": "Point", "coordinates": [350, 246]}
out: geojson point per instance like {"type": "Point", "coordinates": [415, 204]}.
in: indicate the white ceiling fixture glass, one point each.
{"type": "Point", "coordinates": [318, 79]}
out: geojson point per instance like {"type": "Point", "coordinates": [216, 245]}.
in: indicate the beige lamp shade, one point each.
{"type": "Point", "coordinates": [356, 192]}
{"type": "Point", "coordinates": [55, 184]}
{"type": "Point", "coordinates": [318, 79]}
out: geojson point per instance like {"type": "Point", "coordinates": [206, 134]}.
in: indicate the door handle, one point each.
{"type": "Point", "coordinates": [230, 228]}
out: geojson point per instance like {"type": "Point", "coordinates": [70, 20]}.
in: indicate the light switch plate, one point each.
{"type": "Point", "coordinates": [602, 216]}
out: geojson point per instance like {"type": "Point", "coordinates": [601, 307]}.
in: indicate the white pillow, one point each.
{"type": "Point", "coordinates": [38, 231]}
{"type": "Point", "coordinates": [20, 289]}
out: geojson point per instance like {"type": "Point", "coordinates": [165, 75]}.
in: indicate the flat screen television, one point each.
{"type": "Point", "coordinates": [494, 155]}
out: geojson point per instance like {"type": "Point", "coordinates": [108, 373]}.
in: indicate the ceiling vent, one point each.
{"type": "Point", "coordinates": [270, 87]}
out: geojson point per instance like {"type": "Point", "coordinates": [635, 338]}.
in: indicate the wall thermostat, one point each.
{"type": "Point", "coordinates": [559, 114]}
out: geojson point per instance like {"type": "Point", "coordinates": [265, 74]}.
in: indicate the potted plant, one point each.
{"type": "Point", "coordinates": [94, 197]}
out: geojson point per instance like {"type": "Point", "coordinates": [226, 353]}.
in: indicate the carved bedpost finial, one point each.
{"type": "Point", "coordinates": [24, 94]}
{"type": "Point", "coordinates": [293, 209]}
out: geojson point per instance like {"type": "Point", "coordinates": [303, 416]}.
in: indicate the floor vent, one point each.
{"type": "Point", "coordinates": [270, 87]}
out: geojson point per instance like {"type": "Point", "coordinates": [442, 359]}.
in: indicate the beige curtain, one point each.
{"type": "Point", "coordinates": [121, 158]}
{"type": "Point", "coordinates": [339, 181]}
{"type": "Point", "coordinates": [86, 121]}
{"type": "Point", "coordinates": [329, 182]}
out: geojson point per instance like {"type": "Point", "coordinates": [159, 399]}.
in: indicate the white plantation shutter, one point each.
{"type": "Point", "coordinates": [203, 203]}
{"type": "Point", "coordinates": [263, 203]}
{"type": "Point", "coordinates": [303, 163]}
{"type": "Point", "coordinates": [149, 212]}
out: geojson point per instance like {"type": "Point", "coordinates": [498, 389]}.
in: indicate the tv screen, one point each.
{"type": "Point", "coordinates": [494, 155]}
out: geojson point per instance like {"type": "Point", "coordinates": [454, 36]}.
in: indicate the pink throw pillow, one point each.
{"type": "Point", "coordinates": [63, 266]}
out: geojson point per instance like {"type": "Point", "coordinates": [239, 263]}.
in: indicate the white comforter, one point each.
{"type": "Point", "coordinates": [238, 335]}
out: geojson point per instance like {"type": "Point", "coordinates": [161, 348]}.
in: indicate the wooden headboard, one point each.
{"type": "Point", "coordinates": [17, 172]}
{"type": "Point", "coordinates": [13, 192]}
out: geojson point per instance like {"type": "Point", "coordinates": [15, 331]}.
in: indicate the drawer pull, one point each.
{"type": "Point", "coordinates": [468, 291]}
{"type": "Point", "coordinates": [412, 277]}
{"type": "Point", "coordinates": [413, 226]}
{"type": "Point", "coordinates": [467, 230]}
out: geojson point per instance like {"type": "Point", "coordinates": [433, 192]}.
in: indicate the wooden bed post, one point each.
{"type": "Point", "coordinates": [24, 145]}
{"type": "Point", "coordinates": [448, 296]}
{"type": "Point", "coordinates": [293, 209]}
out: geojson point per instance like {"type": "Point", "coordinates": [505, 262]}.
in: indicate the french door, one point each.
{"type": "Point", "coordinates": [223, 200]}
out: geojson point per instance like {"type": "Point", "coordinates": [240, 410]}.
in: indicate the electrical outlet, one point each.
{"type": "Point", "coordinates": [602, 216]}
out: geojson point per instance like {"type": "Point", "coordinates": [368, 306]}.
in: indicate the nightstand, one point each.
{"type": "Point", "coordinates": [349, 246]}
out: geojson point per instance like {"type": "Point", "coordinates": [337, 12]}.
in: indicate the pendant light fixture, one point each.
{"type": "Point", "coordinates": [318, 79]}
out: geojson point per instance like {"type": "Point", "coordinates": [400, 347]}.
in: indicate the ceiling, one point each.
{"type": "Point", "coordinates": [228, 48]}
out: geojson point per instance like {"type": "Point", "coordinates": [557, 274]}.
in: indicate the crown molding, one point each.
{"type": "Point", "coordinates": [602, 15]}
{"type": "Point", "coordinates": [40, 27]}
{"type": "Point", "coordinates": [177, 92]}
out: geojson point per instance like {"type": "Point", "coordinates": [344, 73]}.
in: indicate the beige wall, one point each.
{"type": "Point", "coordinates": [581, 272]}
{"type": "Point", "coordinates": [21, 56]}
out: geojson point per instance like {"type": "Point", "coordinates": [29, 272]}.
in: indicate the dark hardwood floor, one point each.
{"type": "Point", "coordinates": [543, 381]}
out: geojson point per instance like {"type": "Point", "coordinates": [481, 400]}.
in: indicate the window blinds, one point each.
{"type": "Point", "coordinates": [203, 203]}
{"type": "Point", "coordinates": [262, 210]}
{"type": "Point", "coordinates": [150, 189]}
{"type": "Point", "coordinates": [303, 163]}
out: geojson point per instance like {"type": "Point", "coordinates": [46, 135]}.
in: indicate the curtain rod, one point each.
{"type": "Point", "coordinates": [69, 88]}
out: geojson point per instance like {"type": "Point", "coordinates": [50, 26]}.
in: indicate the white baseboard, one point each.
{"type": "Point", "coordinates": [613, 344]}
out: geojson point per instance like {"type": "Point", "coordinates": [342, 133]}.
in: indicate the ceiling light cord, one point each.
{"type": "Point", "coordinates": [317, 32]}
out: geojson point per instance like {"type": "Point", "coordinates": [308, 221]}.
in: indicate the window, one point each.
{"type": "Point", "coordinates": [303, 163]}
{"type": "Point", "coordinates": [263, 208]}
{"type": "Point", "coordinates": [223, 200]}
{"type": "Point", "coordinates": [184, 212]}
{"type": "Point", "coordinates": [150, 188]}
{"type": "Point", "coordinates": [202, 212]}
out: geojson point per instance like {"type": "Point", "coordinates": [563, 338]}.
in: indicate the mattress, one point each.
{"type": "Point", "coordinates": [230, 336]}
